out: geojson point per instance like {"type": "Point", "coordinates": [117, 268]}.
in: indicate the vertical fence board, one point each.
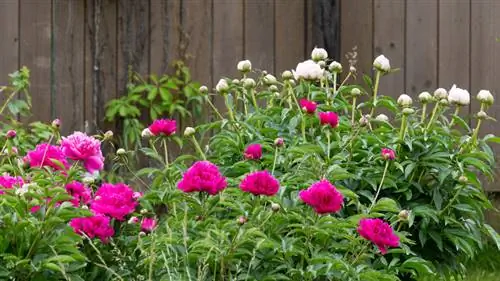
{"type": "Point", "coordinates": [389, 40]}
{"type": "Point", "coordinates": [289, 31]}
{"type": "Point", "coordinates": [357, 26]}
{"type": "Point", "coordinates": [259, 34]}
{"type": "Point", "coordinates": [485, 65]}
{"type": "Point", "coordinates": [35, 53]}
{"type": "Point", "coordinates": [454, 24]}
{"type": "Point", "coordinates": [326, 26]}
{"type": "Point", "coordinates": [227, 41]}
{"type": "Point", "coordinates": [421, 46]}
{"type": "Point", "coordinates": [68, 63]}
{"type": "Point", "coordinates": [9, 45]}
{"type": "Point", "coordinates": [165, 34]}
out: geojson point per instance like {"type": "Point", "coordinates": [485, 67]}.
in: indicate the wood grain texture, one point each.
{"type": "Point", "coordinates": [259, 34]}
{"type": "Point", "coordinates": [326, 26]}
{"type": "Point", "coordinates": [68, 60]}
{"type": "Point", "coordinates": [35, 53]}
{"type": "Point", "coordinates": [165, 34]}
{"type": "Point", "coordinates": [290, 34]}
{"type": "Point", "coordinates": [421, 46]}
{"type": "Point", "coordinates": [389, 40]}
{"type": "Point", "coordinates": [9, 45]}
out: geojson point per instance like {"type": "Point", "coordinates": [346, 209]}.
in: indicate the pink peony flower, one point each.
{"type": "Point", "coordinates": [114, 200]}
{"type": "Point", "coordinates": [81, 194]}
{"type": "Point", "coordinates": [44, 155]}
{"type": "Point", "coordinates": [166, 127]}
{"type": "Point", "coordinates": [323, 197]}
{"type": "Point", "coordinates": [202, 176]}
{"type": "Point", "coordinates": [388, 154]}
{"type": "Point", "coordinates": [308, 106]}
{"type": "Point", "coordinates": [329, 118]}
{"type": "Point", "coordinates": [11, 134]}
{"type": "Point", "coordinates": [35, 209]}
{"type": "Point", "coordinates": [260, 183]}
{"type": "Point", "coordinates": [95, 226]}
{"type": "Point", "coordinates": [253, 151]}
{"type": "Point", "coordinates": [378, 232]}
{"type": "Point", "coordinates": [81, 147]}
{"type": "Point", "coordinates": [8, 182]}
{"type": "Point", "coordinates": [148, 224]}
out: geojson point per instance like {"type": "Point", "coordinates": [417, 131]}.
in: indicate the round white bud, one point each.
{"type": "Point", "coordinates": [203, 90]}
{"type": "Point", "coordinates": [382, 118]}
{"type": "Point", "coordinates": [121, 151]}
{"type": "Point", "coordinates": [425, 97]}
{"type": "Point", "coordinates": [146, 133]}
{"type": "Point", "coordinates": [440, 94]}
{"type": "Point", "coordinates": [189, 131]}
{"type": "Point", "coordinates": [405, 100]}
{"type": "Point", "coordinates": [244, 66]}
{"type": "Point", "coordinates": [222, 86]}
{"type": "Point", "coordinates": [248, 83]}
{"type": "Point", "coordinates": [457, 96]}
{"type": "Point", "coordinates": [335, 67]}
{"type": "Point", "coordinates": [269, 79]}
{"type": "Point", "coordinates": [287, 74]}
{"type": "Point", "coordinates": [318, 54]}
{"type": "Point", "coordinates": [381, 63]}
{"type": "Point", "coordinates": [485, 96]}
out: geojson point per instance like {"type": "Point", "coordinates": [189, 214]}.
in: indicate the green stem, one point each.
{"type": "Point", "coordinates": [327, 91]}
{"type": "Point", "coordinates": [165, 148]}
{"type": "Point", "coordinates": [360, 253]}
{"type": "Point", "coordinates": [11, 96]}
{"type": "Point", "coordinates": [424, 113]}
{"type": "Point", "coordinates": [229, 109]}
{"type": "Point", "coordinates": [328, 145]}
{"type": "Point", "coordinates": [402, 131]}
{"type": "Point", "coordinates": [214, 109]}
{"type": "Point", "coordinates": [198, 148]}
{"type": "Point", "coordinates": [254, 100]}
{"type": "Point", "coordinates": [353, 110]}
{"type": "Point", "coordinates": [433, 115]}
{"type": "Point", "coordinates": [275, 159]}
{"type": "Point", "coordinates": [302, 115]}
{"type": "Point", "coordinates": [475, 134]}
{"type": "Point", "coordinates": [380, 186]}
{"type": "Point", "coordinates": [452, 199]}
{"type": "Point", "coordinates": [457, 110]}
{"type": "Point", "coordinates": [245, 101]}
{"type": "Point", "coordinates": [335, 83]}
{"type": "Point", "coordinates": [375, 90]}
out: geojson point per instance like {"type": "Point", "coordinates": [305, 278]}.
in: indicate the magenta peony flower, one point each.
{"type": "Point", "coordinates": [260, 183]}
{"type": "Point", "coordinates": [388, 154]}
{"type": "Point", "coordinates": [8, 182]}
{"type": "Point", "coordinates": [323, 197]}
{"type": "Point", "coordinates": [166, 127]}
{"type": "Point", "coordinates": [44, 154]}
{"type": "Point", "coordinates": [35, 209]}
{"type": "Point", "coordinates": [308, 106]}
{"type": "Point", "coordinates": [95, 226]}
{"type": "Point", "coordinates": [81, 194]}
{"type": "Point", "coordinates": [81, 147]}
{"type": "Point", "coordinates": [329, 118]}
{"type": "Point", "coordinates": [11, 134]}
{"type": "Point", "coordinates": [378, 232]}
{"type": "Point", "coordinates": [253, 151]}
{"type": "Point", "coordinates": [114, 200]}
{"type": "Point", "coordinates": [148, 224]}
{"type": "Point", "coordinates": [202, 176]}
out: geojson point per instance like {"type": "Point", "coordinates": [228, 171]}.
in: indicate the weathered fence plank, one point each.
{"type": "Point", "coordinates": [290, 41]}
{"type": "Point", "coordinates": [259, 34]}
{"type": "Point", "coordinates": [9, 45]}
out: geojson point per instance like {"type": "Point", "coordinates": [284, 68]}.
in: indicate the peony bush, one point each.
{"type": "Point", "coordinates": [297, 178]}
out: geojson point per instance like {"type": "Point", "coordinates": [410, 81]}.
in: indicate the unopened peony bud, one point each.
{"type": "Point", "coordinates": [269, 79]}
{"type": "Point", "coordinates": [458, 96]}
{"type": "Point", "coordinates": [142, 233]}
{"type": "Point", "coordinates": [88, 180]}
{"type": "Point", "coordinates": [108, 135]}
{"type": "Point", "coordinates": [244, 66]}
{"type": "Point", "coordinates": [363, 121]}
{"type": "Point", "coordinates": [382, 118]}
{"type": "Point", "coordinates": [222, 86]}
{"type": "Point", "coordinates": [482, 115]}
{"type": "Point", "coordinates": [322, 64]}
{"type": "Point", "coordinates": [405, 100]}
{"type": "Point", "coordinates": [133, 220]}
{"type": "Point", "coordinates": [235, 81]}
{"type": "Point", "coordinates": [335, 67]}
{"type": "Point", "coordinates": [275, 207]}
{"type": "Point", "coordinates": [308, 70]}
{"type": "Point", "coordinates": [318, 54]}
{"type": "Point", "coordinates": [425, 97]}
{"type": "Point", "coordinates": [404, 215]}
{"type": "Point", "coordinates": [11, 134]}
{"type": "Point", "coordinates": [381, 63]}
{"type": "Point", "coordinates": [189, 131]}
{"type": "Point", "coordinates": [352, 69]}
{"type": "Point", "coordinates": [273, 88]}
{"type": "Point", "coordinates": [146, 133]}
{"type": "Point", "coordinates": [56, 123]}
{"type": "Point", "coordinates": [440, 94]}
{"type": "Point", "coordinates": [203, 90]}
{"type": "Point", "coordinates": [121, 151]}
{"type": "Point", "coordinates": [249, 83]}
{"type": "Point", "coordinates": [408, 111]}
{"type": "Point", "coordinates": [443, 102]}
{"type": "Point", "coordinates": [463, 179]}
{"type": "Point", "coordinates": [242, 220]}
{"type": "Point", "coordinates": [279, 142]}
{"type": "Point", "coordinates": [264, 72]}
{"type": "Point", "coordinates": [287, 74]}
{"type": "Point", "coordinates": [355, 92]}
{"type": "Point", "coordinates": [292, 82]}
{"type": "Point", "coordinates": [485, 96]}
{"type": "Point", "coordinates": [144, 211]}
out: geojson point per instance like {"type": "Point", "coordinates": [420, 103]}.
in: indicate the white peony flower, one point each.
{"type": "Point", "coordinates": [335, 67]}
{"type": "Point", "coordinates": [405, 100]}
{"type": "Point", "coordinates": [458, 96]}
{"type": "Point", "coordinates": [382, 118]}
{"type": "Point", "coordinates": [308, 70]}
{"type": "Point", "coordinates": [244, 66]}
{"type": "Point", "coordinates": [381, 63]}
{"type": "Point", "coordinates": [222, 86]}
{"type": "Point", "coordinates": [318, 54]}
{"type": "Point", "coordinates": [485, 96]}
{"type": "Point", "coordinates": [440, 94]}
{"type": "Point", "coordinates": [23, 190]}
{"type": "Point", "coordinates": [425, 97]}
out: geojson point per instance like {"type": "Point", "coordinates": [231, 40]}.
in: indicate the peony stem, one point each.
{"type": "Point", "coordinates": [303, 118]}
{"type": "Point", "coordinates": [424, 113]}
{"type": "Point", "coordinates": [329, 143]}
{"type": "Point", "coordinates": [475, 134]}
{"type": "Point", "coordinates": [375, 90]}
{"type": "Point", "coordinates": [229, 109]}
{"type": "Point", "coordinates": [433, 115]}
{"type": "Point", "coordinates": [215, 109]}
{"type": "Point", "coordinates": [353, 110]}
{"type": "Point", "coordinates": [166, 151]}
{"type": "Point", "coordinates": [254, 100]}
{"type": "Point", "coordinates": [198, 148]}
{"type": "Point", "coordinates": [327, 91]}
{"type": "Point", "coordinates": [360, 253]}
{"type": "Point", "coordinates": [402, 131]}
{"type": "Point", "coordinates": [245, 101]}
{"type": "Point", "coordinates": [379, 187]}
{"type": "Point", "coordinates": [275, 159]}
{"type": "Point", "coordinates": [457, 110]}
{"type": "Point", "coordinates": [335, 84]}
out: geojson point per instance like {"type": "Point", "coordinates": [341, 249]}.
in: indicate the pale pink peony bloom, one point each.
{"type": "Point", "coordinates": [203, 176]}
{"type": "Point", "coordinates": [148, 224]}
{"type": "Point", "coordinates": [11, 134]}
{"type": "Point", "coordinates": [114, 200]}
{"type": "Point", "coordinates": [253, 152]}
{"type": "Point", "coordinates": [96, 226]}
{"type": "Point", "coordinates": [166, 127]}
{"type": "Point", "coordinates": [308, 106]}
{"type": "Point", "coordinates": [378, 232]}
{"type": "Point", "coordinates": [388, 154]}
{"type": "Point", "coordinates": [329, 118]}
{"type": "Point", "coordinates": [137, 195]}
{"type": "Point", "coordinates": [81, 147]}
{"type": "Point", "coordinates": [81, 194]}
{"type": "Point", "coordinates": [8, 182]}
{"type": "Point", "coordinates": [323, 197]}
{"type": "Point", "coordinates": [44, 155]}
{"type": "Point", "coordinates": [260, 183]}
